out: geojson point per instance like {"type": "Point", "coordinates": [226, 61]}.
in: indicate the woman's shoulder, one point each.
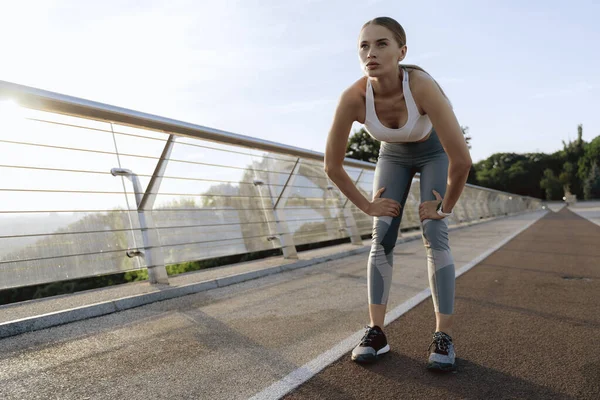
{"type": "Point", "coordinates": [424, 87]}
{"type": "Point", "coordinates": [352, 101]}
{"type": "Point", "coordinates": [418, 78]}
{"type": "Point", "coordinates": [355, 93]}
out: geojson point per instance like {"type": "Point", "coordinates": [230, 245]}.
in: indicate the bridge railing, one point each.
{"type": "Point", "coordinates": [92, 189]}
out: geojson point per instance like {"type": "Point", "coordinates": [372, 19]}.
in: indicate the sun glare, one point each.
{"type": "Point", "coordinates": [11, 116]}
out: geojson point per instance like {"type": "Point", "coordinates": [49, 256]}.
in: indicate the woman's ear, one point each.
{"type": "Point", "coordinates": [403, 51]}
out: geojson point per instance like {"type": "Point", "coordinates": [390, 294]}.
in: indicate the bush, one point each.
{"type": "Point", "coordinates": [591, 187]}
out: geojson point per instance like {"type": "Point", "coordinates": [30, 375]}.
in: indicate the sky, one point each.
{"type": "Point", "coordinates": [521, 75]}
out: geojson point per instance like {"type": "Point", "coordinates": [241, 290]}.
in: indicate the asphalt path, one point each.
{"type": "Point", "coordinates": [527, 327]}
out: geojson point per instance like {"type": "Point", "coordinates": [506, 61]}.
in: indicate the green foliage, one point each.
{"type": "Point", "coordinates": [567, 176]}
{"type": "Point", "coordinates": [472, 178]}
{"type": "Point", "coordinates": [591, 156]}
{"type": "Point", "coordinates": [465, 130]}
{"type": "Point", "coordinates": [570, 156]}
{"type": "Point", "coordinates": [188, 266]}
{"type": "Point", "coordinates": [524, 173]}
{"type": "Point", "coordinates": [362, 146]}
{"type": "Point", "coordinates": [136, 275]}
{"type": "Point", "coordinates": [514, 173]}
{"type": "Point", "coordinates": [591, 187]}
{"type": "Point", "coordinates": [551, 185]}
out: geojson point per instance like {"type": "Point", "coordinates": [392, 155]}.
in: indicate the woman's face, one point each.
{"type": "Point", "coordinates": [378, 51]}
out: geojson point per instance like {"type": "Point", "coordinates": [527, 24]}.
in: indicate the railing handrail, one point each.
{"type": "Point", "coordinates": [45, 100]}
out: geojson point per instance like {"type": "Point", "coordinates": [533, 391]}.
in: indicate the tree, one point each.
{"type": "Point", "coordinates": [362, 146]}
{"type": "Point", "coordinates": [516, 173]}
{"type": "Point", "coordinates": [572, 153]}
{"type": "Point", "coordinates": [591, 156]}
{"type": "Point", "coordinates": [591, 187]}
{"type": "Point", "coordinates": [567, 177]}
{"type": "Point", "coordinates": [465, 130]}
{"type": "Point", "coordinates": [551, 185]}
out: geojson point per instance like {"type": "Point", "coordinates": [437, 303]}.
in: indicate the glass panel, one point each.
{"type": "Point", "coordinates": [210, 202]}
{"type": "Point", "coordinates": [110, 237]}
{"type": "Point", "coordinates": [25, 273]}
{"type": "Point", "coordinates": [17, 201]}
{"type": "Point", "coordinates": [219, 226]}
{"type": "Point", "coordinates": [201, 251]}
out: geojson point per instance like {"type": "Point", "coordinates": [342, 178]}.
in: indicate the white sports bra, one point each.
{"type": "Point", "coordinates": [416, 128]}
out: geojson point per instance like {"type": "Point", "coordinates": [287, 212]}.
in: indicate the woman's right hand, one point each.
{"type": "Point", "coordinates": [383, 207]}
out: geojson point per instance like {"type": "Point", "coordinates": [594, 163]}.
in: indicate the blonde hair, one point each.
{"type": "Point", "coordinates": [400, 36]}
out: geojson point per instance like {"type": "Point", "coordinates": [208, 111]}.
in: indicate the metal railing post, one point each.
{"type": "Point", "coordinates": [279, 231]}
{"type": "Point", "coordinates": [285, 237]}
{"type": "Point", "coordinates": [152, 254]}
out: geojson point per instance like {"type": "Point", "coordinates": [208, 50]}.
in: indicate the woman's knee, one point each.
{"type": "Point", "coordinates": [435, 234]}
{"type": "Point", "coordinates": [385, 232]}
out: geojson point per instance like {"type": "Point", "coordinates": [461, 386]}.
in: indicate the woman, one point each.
{"type": "Point", "coordinates": [404, 108]}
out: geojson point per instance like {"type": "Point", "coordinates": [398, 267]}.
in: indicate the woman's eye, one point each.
{"type": "Point", "coordinates": [364, 46]}
{"type": "Point", "coordinates": [383, 44]}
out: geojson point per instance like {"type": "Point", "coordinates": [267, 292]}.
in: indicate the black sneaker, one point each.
{"type": "Point", "coordinates": [373, 344]}
{"type": "Point", "coordinates": [443, 357]}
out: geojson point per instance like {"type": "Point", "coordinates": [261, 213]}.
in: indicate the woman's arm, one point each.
{"type": "Point", "coordinates": [429, 96]}
{"type": "Point", "coordinates": [335, 152]}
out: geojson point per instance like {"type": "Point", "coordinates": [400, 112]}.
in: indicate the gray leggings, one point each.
{"type": "Point", "coordinates": [396, 167]}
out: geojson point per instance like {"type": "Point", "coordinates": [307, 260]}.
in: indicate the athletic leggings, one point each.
{"type": "Point", "coordinates": [396, 167]}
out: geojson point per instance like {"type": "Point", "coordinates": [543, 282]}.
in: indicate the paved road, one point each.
{"type": "Point", "coordinates": [528, 328]}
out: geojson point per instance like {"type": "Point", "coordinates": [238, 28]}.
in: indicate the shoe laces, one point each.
{"type": "Point", "coordinates": [369, 335]}
{"type": "Point", "coordinates": [441, 341]}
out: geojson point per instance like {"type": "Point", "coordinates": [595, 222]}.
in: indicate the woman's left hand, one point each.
{"type": "Point", "coordinates": [428, 209]}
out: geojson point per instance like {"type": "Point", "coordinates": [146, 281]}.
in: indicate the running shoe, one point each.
{"type": "Point", "coordinates": [372, 345]}
{"type": "Point", "coordinates": [442, 357]}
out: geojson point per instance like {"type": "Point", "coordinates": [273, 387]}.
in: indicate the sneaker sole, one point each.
{"type": "Point", "coordinates": [436, 366]}
{"type": "Point", "coordinates": [370, 358]}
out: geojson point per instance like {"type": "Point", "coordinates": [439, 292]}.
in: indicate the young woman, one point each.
{"type": "Point", "coordinates": [404, 108]}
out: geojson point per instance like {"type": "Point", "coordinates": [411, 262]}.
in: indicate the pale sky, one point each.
{"type": "Point", "coordinates": [521, 74]}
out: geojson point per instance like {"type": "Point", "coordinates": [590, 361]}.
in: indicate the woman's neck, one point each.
{"type": "Point", "coordinates": [387, 84]}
